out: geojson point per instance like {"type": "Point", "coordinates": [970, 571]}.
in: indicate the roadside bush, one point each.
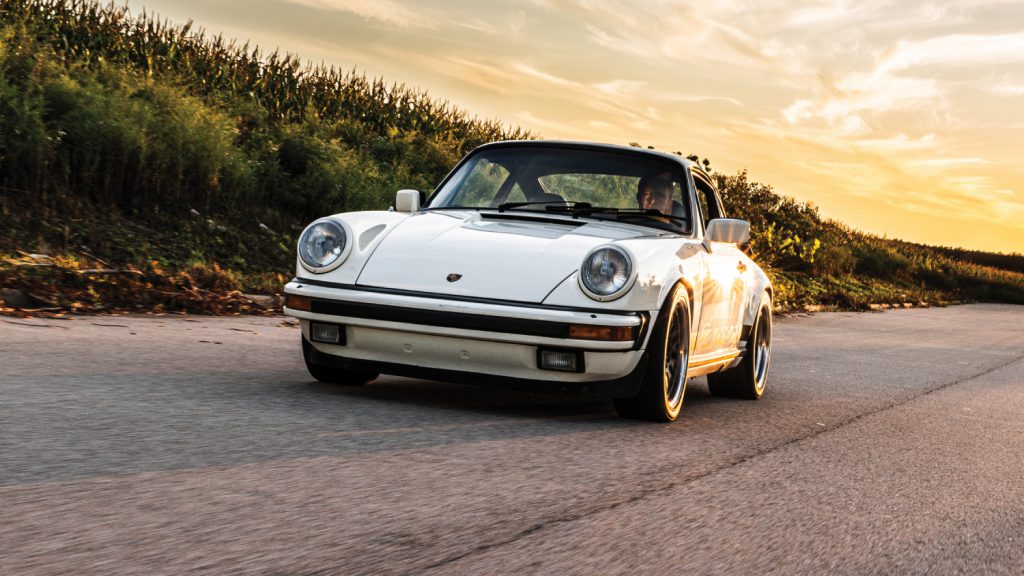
{"type": "Point", "coordinates": [879, 261]}
{"type": "Point", "coordinates": [834, 257]}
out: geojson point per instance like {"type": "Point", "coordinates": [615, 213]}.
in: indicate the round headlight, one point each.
{"type": "Point", "coordinates": [322, 244]}
{"type": "Point", "coordinates": [606, 273]}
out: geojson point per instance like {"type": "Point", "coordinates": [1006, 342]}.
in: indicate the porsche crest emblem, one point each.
{"type": "Point", "coordinates": [453, 277]}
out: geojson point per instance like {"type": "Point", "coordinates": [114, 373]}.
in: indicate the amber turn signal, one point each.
{"type": "Point", "coordinates": [608, 333]}
{"type": "Point", "coordinates": [296, 302]}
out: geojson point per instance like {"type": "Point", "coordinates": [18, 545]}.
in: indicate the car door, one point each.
{"type": "Point", "coordinates": [721, 316]}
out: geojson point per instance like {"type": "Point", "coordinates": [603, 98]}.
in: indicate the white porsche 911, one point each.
{"type": "Point", "coordinates": [548, 266]}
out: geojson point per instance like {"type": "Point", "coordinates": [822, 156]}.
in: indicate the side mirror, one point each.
{"type": "Point", "coordinates": [407, 201]}
{"type": "Point", "coordinates": [729, 231]}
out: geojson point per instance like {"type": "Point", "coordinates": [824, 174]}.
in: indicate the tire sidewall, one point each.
{"type": "Point", "coordinates": [677, 305]}
{"type": "Point", "coordinates": [764, 307]}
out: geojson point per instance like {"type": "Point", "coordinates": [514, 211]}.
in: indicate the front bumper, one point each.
{"type": "Point", "coordinates": [467, 340]}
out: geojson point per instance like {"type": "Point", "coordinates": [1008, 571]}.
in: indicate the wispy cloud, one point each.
{"type": "Point", "coordinates": [941, 164]}
{"type": "Point", "coordinates": [383, 11]}
{"type": "Point", "coordinates": [1008, 90]}
{"type": "Point", "coordinates": [623, 44]}
{"type": "Point", "coordinates": [510, 27]}
{"type": "Point", "coordinates": [547, 124]}
{"type": "Point", "coordinates": [903, 80]}
{"type": "Point", "coordinates": [532, 73]}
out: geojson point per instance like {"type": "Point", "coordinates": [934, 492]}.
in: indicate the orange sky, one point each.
{"type": "Point", "coordinates": [898, 118]}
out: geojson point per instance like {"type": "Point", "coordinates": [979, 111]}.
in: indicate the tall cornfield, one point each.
{"type": "Point", "coordinates": [127, 111]}
{"type": "Point", "coordinates": [86, 32]}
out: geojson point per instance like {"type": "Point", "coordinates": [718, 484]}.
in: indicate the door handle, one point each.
{"type": "Point", "coordinates": [741, 266]}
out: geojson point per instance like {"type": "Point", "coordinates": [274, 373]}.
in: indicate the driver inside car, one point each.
{"type": "Point", "coordinates": [655, 192]}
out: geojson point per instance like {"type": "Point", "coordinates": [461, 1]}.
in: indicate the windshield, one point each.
{"type": "Point", "coordinates": [587, 183]}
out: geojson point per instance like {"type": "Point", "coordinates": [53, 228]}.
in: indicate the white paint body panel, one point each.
{"type": "Point", "coordinates": [516, 260]}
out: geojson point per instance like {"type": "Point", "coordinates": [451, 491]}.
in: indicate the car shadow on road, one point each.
{"type": "Point", "coordinates": [399, 394]}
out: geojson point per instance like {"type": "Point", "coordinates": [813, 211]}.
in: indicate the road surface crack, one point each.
{"type": "Point", "coordinates": [644, 494]}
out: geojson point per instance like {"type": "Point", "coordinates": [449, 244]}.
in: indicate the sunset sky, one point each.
{"type": "Point", "coordinates": [899, 118]}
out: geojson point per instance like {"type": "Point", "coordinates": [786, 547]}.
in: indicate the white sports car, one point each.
{"type": "Point", "coordinates": [552, 266]}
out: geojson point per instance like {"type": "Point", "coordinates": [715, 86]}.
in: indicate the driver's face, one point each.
{"type": "Point", "coordinates": [659, 199]}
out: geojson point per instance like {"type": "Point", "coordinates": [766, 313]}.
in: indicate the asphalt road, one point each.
{"type": "Point", "coordinates": [887, 443]}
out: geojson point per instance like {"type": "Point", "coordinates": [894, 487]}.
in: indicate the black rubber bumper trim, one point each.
{"type": "Point", "coordinates": [624, 387]}
{"type": "Point", "coordinates": [482, 322]}
{"type": "Point", "coordinates": [503, 324]}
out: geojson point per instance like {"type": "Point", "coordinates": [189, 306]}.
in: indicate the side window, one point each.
{"type": "Point", "coordinates": [708, 200]}
{"type": "Point", "coordinates": [703, 202]}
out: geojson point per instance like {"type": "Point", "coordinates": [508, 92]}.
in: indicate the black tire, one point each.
{"type": "Point", "coordinates": [748, 379]}
{"type": "Point", "coordinates": [332, 374]}
{"type": "Point", "coordinates": [664, 383]}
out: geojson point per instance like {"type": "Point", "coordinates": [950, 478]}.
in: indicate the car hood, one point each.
{"type": "Point", "coordinates": [501, 256]}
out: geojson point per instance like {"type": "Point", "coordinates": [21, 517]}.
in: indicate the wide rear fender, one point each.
{"type": "Point", "coordinates": [757, 284]}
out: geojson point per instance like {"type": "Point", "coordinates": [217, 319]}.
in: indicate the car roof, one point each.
{"type": "Point", "coordinates": [581, 145]}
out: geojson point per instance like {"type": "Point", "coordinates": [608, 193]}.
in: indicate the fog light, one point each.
{"type": "Point", "coordinates": [561, 360]}
{"type": "Point", "coordinates": [327, 333]}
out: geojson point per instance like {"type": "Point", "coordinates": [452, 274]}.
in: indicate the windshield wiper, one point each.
{"type": "Point", "coordinates": [578, 209]}
{"type": "Point", "coordinates": [552, 204]}
{"type": "Point", "coordinates": [585, 209]}
{"type": "Point", "coordinates": [456, 208]}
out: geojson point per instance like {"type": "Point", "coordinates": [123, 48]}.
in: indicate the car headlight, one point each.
{"type": "Point", "coordinates": [607, 273]}
{"type": "Point", "coordinates": [323, 246]}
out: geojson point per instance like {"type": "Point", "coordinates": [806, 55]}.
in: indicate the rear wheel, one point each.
{"type": "Point", "coordinates": [664, 385]}
{"type": "Point", "coordinates": [747, 380]}
{"type": "Point", "coordinates": [332, 374]}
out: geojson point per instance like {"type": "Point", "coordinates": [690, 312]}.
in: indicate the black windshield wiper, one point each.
{"type": "Point", "coordinates": [650, 215]}
{"type": "Point", "coordinates": [585, 209]}
{"type": "Point", "coordinates": [551, 205]}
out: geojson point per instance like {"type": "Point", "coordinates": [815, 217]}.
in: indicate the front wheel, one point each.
{"type": "Point", "coordinates": [334, 375]}
{"type": "Point", "coordinates": [664, 385]}
{"type": "Point", "coordinates": [747, 380]}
